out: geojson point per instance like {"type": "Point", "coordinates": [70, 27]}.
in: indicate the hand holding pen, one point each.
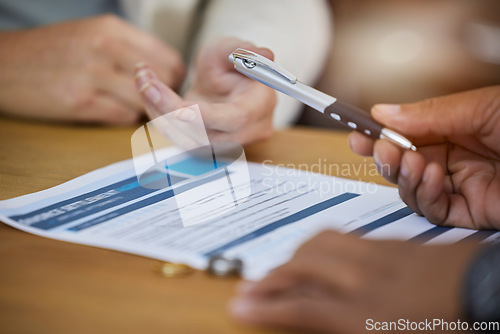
{"type": "Point", "coordinates": [234, 108]}
{"type": "Point", "coordinates": [453, 179]}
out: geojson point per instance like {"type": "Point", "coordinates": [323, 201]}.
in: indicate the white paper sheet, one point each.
{"type": "Point", "coordinates": [108, 208]}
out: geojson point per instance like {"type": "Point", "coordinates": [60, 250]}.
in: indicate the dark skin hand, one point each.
{"type": "Point", "coordinates": [334, 283]}
{"type": "Point", "coordinates": [454, 177]}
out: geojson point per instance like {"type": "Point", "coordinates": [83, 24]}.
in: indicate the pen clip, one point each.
{"type": "Point", "coordinates": [252, 59]}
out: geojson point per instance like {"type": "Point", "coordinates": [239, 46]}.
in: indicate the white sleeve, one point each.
{"type": "Point", "coordinates": [298, 32]}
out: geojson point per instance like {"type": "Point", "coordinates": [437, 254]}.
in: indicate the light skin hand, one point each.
{"type": "Point", "coordinates": [80, 70]}
{"type": "Point", "coordinates": [234, 108]}
{"type": "Point", "coordinates": [334, 283]}
{"type": "Point", "coordinates": [454, 177]}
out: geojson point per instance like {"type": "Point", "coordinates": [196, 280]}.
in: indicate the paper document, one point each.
{"type": "Point", "coordinates": [109, 208]}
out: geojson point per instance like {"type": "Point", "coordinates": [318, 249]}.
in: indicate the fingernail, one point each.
{"type": "Point", "coordinates": [186, 114]}
{"type": "Point", "coordinates": [142, 73]}
{"type": "Point", "coordinates": [140, 64]}
{"type": "Point", "coordinates": [387, 109]}
{"type": "Point", "coordinates": [151, 93]}
{"type": "Point", "coordinates": [142, 77]}
{"type": "Point", "coordinates": [376, 158]}
{"type": "Point", "coordinates": [378, 165]}
{"type": "Point", "coordinates": [404, 171]}
{"type": "Point", "coordinates": [239, 306]}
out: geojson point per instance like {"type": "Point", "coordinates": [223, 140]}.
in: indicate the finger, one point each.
{"type": "Point", "coordinates": [117, 53]}
{"type": "Point", "coordinates": [433, 199]}
{"type": "Point", "coordinates": [361, 144]}
{"type": "Point", "coordinates": [119, 86]}
{"type": "Point", "coordinates": [387, 158]}
{"type": "Point", "coordinates": [410, 175]}
{"type": "Point", "coordinates": [167, 63]}
{"type": "Point", "coordinates": [124, 56]}
{"type": "Point", "coordinates": [317, 272]}
{"type": "Point", "coordinates": [247, 289]}
{"type": "Point", "coordinates": [184, 125]}
{"type": "Point", "coordinates": [293, 312]}
{"type": "Point", "coordinates": [217, 53]}
{"type": "Point", "coordinates": [220, 78]}
{"type": "Point", "coordinates": [108, 110]}
{"type": "Point", "coordinates": [330, 260]}
{"type": "Point", "coordinates": [259, 130]}
{"type": "Point", "coordinates": [459, 214]}
{"type": "Point", "coordinates": [161, 57]}
{"type": "Point", "coordinates": [433, 119]}
{"type": "Point", "coordinates": [265, 52]}
{"type": "Point", "coordinates": [274, 283]}
{"type": "Point", "coordinates": [438, 153]}
{"type": "Point", "coordinates": [241, 110]}
{"type": "Point", "coordinates": [161, 99]}
{"type": "Point", "coordinates": [225, 117]}
{"type": "Point", "coordinates": [440, 206]}
{"type": "Point", "coordinates": [143, 74]}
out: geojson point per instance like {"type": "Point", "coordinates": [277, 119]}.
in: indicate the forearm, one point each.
{"type": "Point", "coordinates": [298, 32]}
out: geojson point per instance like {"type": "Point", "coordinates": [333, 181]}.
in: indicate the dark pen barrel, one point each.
{"type": "Point", "coordinates": [354, 118]}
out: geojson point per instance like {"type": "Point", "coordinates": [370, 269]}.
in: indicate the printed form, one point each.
{"type": "Point", "coordinates": [110, 208]}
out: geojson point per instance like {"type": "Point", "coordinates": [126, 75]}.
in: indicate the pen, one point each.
{"type": "Point", "coordinates": [270, 74]}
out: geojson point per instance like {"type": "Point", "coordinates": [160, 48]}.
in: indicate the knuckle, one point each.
{"type": "Point", "coordinates": [103, 42]}
{"type": "Point", "coordinates": [99, 42]}
{"type": "Point", "coordinates": [316, 245]}
{"type": "Point", "coordinates": [307, 249]}
{"type": "Point", "coordinates": [109, 20]}
{"type": "Point", "coordinates": [284, 272]}
{"type": "Point", "coordinates": [79, 99]}
{"type": "Point", "coordinates": [94, 69]}
{"type": "Point", "coordinates": [357, 280]}
{"type": "Point", "coordinates": [326, 236]}
{"type": "Point", "coordinates": [213, 83]}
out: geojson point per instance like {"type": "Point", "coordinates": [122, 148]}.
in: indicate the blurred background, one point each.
{"type": "Point", "coordinates": [396, 51]}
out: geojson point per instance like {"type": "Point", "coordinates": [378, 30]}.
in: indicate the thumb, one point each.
{"type": "Point", "coordinates": [265, 52]}
{"type": "Point", "coordinates": [458, 114]}
{"type": "Point", "coordinates": [216, 53]}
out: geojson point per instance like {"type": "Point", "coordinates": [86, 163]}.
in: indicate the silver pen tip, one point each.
{"type": "Point", "coordinates": [397, 139]}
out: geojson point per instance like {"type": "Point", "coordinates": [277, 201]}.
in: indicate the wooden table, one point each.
{"type": "Point", "coordinates": [49, 286]}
